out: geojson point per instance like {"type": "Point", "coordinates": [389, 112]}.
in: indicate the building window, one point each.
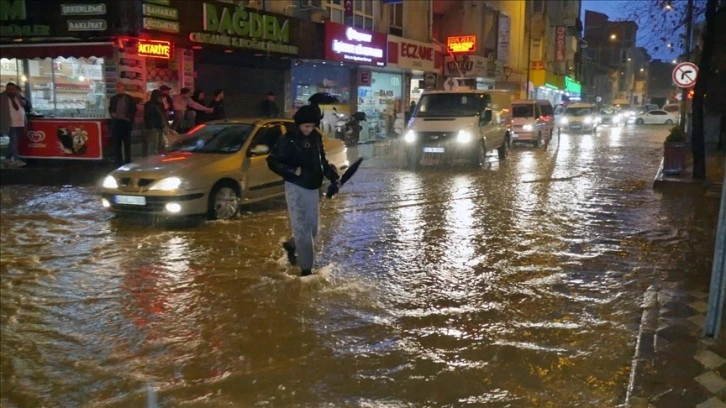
{"type": "Point", "coordinates": [395, 18]}
{"type": "Point", "coordinates": [60, 87]}
{"type": "Point", "coordinates": [362, 13]}
{"type": "Point", "coordinates": [538, 6]}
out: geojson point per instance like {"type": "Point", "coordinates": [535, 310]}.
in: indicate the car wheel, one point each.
{"type": "Point", "coordinates": [538, 141]}
{"type": "Point", "coordinates": [639, 121]}
{"type": "Point", "coordinates": [503, 150]}
{"type": "Point", "coordinates": [480, 156]}
{"type": "Point", "coordinates": [224, 202]}
{"type": "Point", "coordinates": [669, 122]}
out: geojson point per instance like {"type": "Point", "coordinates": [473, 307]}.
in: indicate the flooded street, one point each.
{"type": "Point", "coordinates": [518, 285]}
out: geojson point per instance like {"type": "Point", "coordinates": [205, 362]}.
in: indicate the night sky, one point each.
{"type": "Point", "coordinates": [617, 10]}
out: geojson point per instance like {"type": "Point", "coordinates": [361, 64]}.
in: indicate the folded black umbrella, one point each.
{"type": "Point", "coordinates": [323, 98]}
{"type": "Point", "coordinates": [333, 188]}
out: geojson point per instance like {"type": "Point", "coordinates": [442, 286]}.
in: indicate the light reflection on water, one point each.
{"type": "Point", "coordinates": [444, 286]}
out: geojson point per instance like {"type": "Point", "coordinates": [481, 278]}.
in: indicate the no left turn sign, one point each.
{"type": "Point", "coordinates": [685, 74]}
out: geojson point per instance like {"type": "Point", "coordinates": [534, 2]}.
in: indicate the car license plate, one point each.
{"type": "Point", "coordinates": [130, 200]}
{"type": "Point", "coordinates": [433, 149]}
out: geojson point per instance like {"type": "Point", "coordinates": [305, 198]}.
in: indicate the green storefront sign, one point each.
{"type": "Point", "coordinates": [13, 14]}
{"type": "Point", "coordinates": [572, 86]}
{"type": "Point", "coordinates": [237, 27]}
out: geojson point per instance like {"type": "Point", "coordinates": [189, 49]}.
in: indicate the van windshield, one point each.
{"type": "Point", "coordinates": [450, 105]}
{"type": "Point", "coordinates": [523, 111]}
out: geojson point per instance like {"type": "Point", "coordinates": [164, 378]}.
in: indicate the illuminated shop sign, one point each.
{"type": "Point", "coordinates": [411, 54]}
{"type": "Point", "coordinates": [154, 49]}
{"type": "Point", "coordinates": [237, 27]}
{"type": "Point", "coordinates": [354, 45]}
{"type": "Point", "coordinates": [572, 85]}
{"type": "Point", "coordinates": [461, 43]}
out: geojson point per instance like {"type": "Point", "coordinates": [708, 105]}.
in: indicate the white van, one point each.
{"type": "Point", "coordinates": [532, 121]}
{"type": "Point", "coordinates": [459, 124]}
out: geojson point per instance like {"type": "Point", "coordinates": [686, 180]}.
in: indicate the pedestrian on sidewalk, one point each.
{"type": "Point", "coordinates": [217, 104]}
{"type": "Point", "coordinates": [198, 116]}
{"type": "Point", "coordinates": [182, 104]}
{"type": "Point", "coordinates": [268, 108]}
{"type": "Point", "coordinates": [13, 121]}
{"type": "Point", "coordinates": [122, 108]}
{"type": "Point", "coordinates": [299, 157]}
{"type": "Point", "coordinates": [155, 123]}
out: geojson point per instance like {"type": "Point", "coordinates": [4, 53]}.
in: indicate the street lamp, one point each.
{"type": "Point", "coordinates": [668, 6]}
{"type": "Point", "coordinates": [613, 37]}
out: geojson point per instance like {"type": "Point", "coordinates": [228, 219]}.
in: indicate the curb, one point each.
{"type": "Point", "coordinates": [644, 348]}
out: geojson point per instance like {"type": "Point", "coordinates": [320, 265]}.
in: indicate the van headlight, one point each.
{"type": "Point", "coordinates": [109, 182]}
{"type": "Point", "coordinates": [527, 128]}
{"type": "Point", "coordinates": [167, 184]}
{"type": "Point", "coordinates": [409, 136]}
{"type": "Point", "coordinates": [563, 121]}
{"type": "Point", "coordinates": [464, 136]}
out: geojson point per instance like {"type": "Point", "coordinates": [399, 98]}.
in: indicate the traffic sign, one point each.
{"type": "Point", "coordinates": [685, 74]}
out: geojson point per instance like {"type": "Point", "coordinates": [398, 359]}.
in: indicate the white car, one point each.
{"type": "Point", "coordinates": [611, 117]}
{"type": "Point", "coordinates": [657, 117]}
{"type": "Point", "coordinates": [580, 117]}
{"type": "Point", "coordinates": [211, 170]}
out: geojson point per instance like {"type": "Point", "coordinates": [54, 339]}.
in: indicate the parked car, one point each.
{"type": "Point", "coordinates": [580, 117]}
{"type": "Point", "coordinates": [657, 117]}
{"type": "Point", "coordinates": [211, 170]}
{"type": "Point", "coordinates": [459, 124]}
{"type": "Point", "coordinates": [530, 123]}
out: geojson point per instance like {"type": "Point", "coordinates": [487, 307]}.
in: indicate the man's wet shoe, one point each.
{"type": "Point", "coordinates": [290, 249]}
{"type": "Point", "coordinates": [306, 272]}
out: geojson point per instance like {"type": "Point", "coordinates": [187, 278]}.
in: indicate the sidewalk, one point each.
{"type": "Point", "coordinates": [674, 365]}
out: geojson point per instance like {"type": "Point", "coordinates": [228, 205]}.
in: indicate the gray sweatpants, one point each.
{"type": "Point", "coordinates": [303, 208]}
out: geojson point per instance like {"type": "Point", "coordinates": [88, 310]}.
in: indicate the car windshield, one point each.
{"type": "Point", "coordinates": [214, 138]}
{"type": "Point", "coordinates": [450, 105]}
{"type": "Point", "coordinates": [523, 111]}
{"type": "Point", "coordinates": [578, 111]}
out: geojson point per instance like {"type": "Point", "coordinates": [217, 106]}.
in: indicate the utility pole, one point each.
{"type": "Point", "coordinates": [684, 91]}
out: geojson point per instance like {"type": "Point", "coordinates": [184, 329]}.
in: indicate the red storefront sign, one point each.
{"type": "Point", "coordinates": [411, 54]}
{"type": "Point", "coordinates": [62, 139]}
{"type": "Point", "coordinates": [560, 36]}
{"type": "Point", "coordinates": [154, 49]}
{"type": "Point", "coordinates": [461, 43]}
{"type": "Point", "coordinates": [355, 45]}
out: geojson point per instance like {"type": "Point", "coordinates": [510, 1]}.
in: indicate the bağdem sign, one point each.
{"type": "Point", "coordinates": [236, 27]}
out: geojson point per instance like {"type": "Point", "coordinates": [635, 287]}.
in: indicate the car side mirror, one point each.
{"type": "Point", "coordinates": [487, 117]}
{"type": "Point", "coordinates": [259, 150]}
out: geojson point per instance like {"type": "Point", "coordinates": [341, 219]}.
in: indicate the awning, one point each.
{"type": "Point", "coordinates": [50, 50]}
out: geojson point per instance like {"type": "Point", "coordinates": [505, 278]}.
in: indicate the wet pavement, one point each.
{"type": "Point", "coordinates": [518, 285]}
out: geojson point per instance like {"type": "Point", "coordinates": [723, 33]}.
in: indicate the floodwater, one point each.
{"type": "Point", "coordinates": [518, 285]}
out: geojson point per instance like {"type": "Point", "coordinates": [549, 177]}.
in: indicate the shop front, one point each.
{"type": "Point", "coordinates": [467, 70]}
{"type": "Point", "coordinates": [247, 53]}
{"type": "Point", "coordinates": [421, 63]}
{"type": "Point", "coordinates": [353, 70]}
{"type": "Point", "coordinates": [61, 55]}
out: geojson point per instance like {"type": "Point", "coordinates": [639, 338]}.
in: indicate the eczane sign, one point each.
{"type": "Point", "coordinates": [414, 55]}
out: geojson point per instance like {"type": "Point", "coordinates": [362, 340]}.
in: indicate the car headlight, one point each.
{"type": "Point", "coordinates": [527, 128]}
{"type": "Point", "coordinates": [167, 184]}
{"type": "Point", "coordinates": [464, 136]}
{"type": "Point", "coordinates": [109, 182]}
{"type": "Point", "coordinates": [410, 136]}
{"type": "Point", "coordinates": [588, 119]}
{"type": "Point", "coordinates": [563, 121]}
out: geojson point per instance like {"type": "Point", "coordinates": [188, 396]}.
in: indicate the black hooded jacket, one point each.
{"type": "Point", "coordinates": [295, 150]}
